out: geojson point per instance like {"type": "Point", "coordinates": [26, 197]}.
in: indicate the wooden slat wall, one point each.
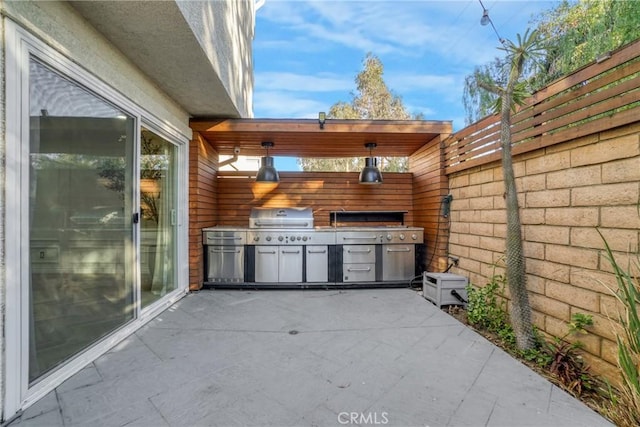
{"type": "Point", "coordinates": [203, 210]}
{"type": "Point", "coordinates": [430, 185]}
{"type": "Point", "coordinates": [322, 191]}
{"type": "Point", "coordinates": [603, 94]}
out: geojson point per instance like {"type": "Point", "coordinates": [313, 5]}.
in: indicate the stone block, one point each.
{"type": "Point", "coordinates": [606, 195]}
{"type": "Point", "coordinates": [548, 198]}
{"type": "Point", "coordinates": [481, 177]}
{"type": "Point", "coordinates": [532, 216]}
{"type": "Point", "coordinates": [624, 240]}
{"type": "Point", "coordinates": [570, 255]}
{"type": "Point", "coordinates": [585, 217]}
{"type": "Point", "coordinates": [547, 234]}
{"type": "Point", "coordinates": [621, 171]}
{"type": "Point", "coordinates": [574, 296]}
{"type": "Point", "coordinates": [606, 151]}
{"type": "Point", "coordinates": [620, 217]}
{"type": "Point", "coordinates": [532, 183]}
{"type": "Point", "coordinates": [548, 163]}
{"type": "Point", "coordinates": [480, 228]}
{"type": "Point", "coordinates": [552, 307]}
{"type": "Point", "coordinates": [574, 177]}
{"type": "Point", "coordinates": [549, 270]}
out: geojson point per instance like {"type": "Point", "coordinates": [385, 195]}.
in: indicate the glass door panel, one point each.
{"type": "Point", "coordinates": [80, 224]}
{"type": "Point", "coordinates": [158, 216]}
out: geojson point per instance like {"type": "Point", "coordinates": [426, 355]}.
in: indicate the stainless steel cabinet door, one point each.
{"type": "Point", "coordinates": [267, 264]}
{"type": "Point", "coordinates": [226, 263]}
{"type": "Point", "coordinates": [398, 262]}
{"type": "Point", "coordinates": [317, 263]}
{"type": "Point", "coordinates": [290, 264]}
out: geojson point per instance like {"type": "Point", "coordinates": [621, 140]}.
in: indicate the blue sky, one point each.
{"type": "Point", "coordinates": [308, 53]}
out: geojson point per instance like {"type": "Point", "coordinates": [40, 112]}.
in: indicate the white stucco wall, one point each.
{"type": "Point", "coordinates": [60, 26]}
{"type": "Point", "coordinates": [225, 31]}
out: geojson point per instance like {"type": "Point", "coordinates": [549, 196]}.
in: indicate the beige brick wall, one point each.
{"type": "Point", "coordinates": [566, 193]}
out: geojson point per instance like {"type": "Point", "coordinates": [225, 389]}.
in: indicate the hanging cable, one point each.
{"type": "Point", "coordinates": [486, 19]}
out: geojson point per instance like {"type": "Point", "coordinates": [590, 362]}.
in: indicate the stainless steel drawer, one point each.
{"type": "Point", "coordinates": [359, 272]}
{"type": "Point", "coordinates": [225, 237]}
{"type": "Point", "coordinates": [362, 254]}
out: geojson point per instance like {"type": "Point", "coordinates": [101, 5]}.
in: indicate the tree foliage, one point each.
{"type": "Point", "coordinates": [373, 100]}
{"type": "Point", "coordinates": [574, 34]}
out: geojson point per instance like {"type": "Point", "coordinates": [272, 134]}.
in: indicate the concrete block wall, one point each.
{"type": "Point", "coordinates": [567, 192]}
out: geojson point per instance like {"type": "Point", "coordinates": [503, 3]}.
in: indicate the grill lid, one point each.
{"type": "Point", "coordinates": [281, 218]}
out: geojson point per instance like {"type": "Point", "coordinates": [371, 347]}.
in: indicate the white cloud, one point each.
{"type": "Point", "coordinates": [286, 104]}
{"type": "Point", "coordinates": [292, 82]}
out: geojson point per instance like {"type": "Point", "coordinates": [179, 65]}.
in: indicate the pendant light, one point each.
{"type": "Point", "coordinates": [267, 172]}
{"type": "Point", "coordinates": [370, 174]}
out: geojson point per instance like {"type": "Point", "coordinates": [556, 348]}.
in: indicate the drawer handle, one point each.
{"type": "Point", "coordinates": [359, 269]}
{"type": "Point", "coordinates": [223, 238]}
{"type": "Point", "coordinates": [290, 252]}
{"type": "Point", "coordinates": [226, 251]}
{"type": "Point", "coordinates": [266, 252]}
{"type": "Point", "coordinates": [398, 250]}
{"type": "Point", "coordinates": [359, 251]}
{"type": "Point", "coordinates": [317, 252]}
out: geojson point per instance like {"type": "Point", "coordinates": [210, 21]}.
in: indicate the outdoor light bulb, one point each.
{"type": "Point", "coordinates": [485, 18]}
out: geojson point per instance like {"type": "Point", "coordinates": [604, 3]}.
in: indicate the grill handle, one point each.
{"type": "Point", "coordinates": [280, 224]}
{"type": "Point", "coordinates": [360, 238]}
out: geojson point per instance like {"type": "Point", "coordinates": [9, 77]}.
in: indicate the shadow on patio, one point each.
{"type": "Point", "coordinates": [307, 358]}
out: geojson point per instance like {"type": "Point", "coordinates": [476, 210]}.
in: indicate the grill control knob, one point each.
{"type": "Point", "coordinates": [401, 236]}
{"type": "Point", "coordinates": [293, 238]}
{"type": "Point", "coordinates": [268, 238]}
{"type": "Point", "coordinates": [414, 237]}
{"type": "Point", "coordinates": [256, 238]}
{"type": "Point", "coordinates": [298, 238]}
{"type": "Point", "coordinates": [304, 238]}
{"type": "Point", "coordinates": [280, 238]}
{"type": "Point", "coordinates": [389, 237]}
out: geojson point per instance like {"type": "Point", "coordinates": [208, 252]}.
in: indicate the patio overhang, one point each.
{"type": "Point", "coordinates": [305, 138]}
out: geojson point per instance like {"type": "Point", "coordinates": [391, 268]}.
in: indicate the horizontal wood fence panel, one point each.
{"type": "Point", "coordinates": [601, 96]}
{"type": "Point", "coordinates": [322, 191]}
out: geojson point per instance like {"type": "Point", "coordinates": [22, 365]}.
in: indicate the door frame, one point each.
{"type": "Point", "coordinates": [20, 46]}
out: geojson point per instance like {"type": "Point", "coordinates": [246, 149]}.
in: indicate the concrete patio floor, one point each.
{"type": "Point", "coordinates": [307, 358]}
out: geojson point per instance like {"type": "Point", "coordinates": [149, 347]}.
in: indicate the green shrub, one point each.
{"type": "Point", "coordinates": [485, 307]}
{"type": "Point", "coordinates": [625, 403]}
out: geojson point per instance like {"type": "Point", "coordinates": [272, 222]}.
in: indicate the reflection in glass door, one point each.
{"type": "Point", "coordinates": [157, 216]}
{"type": "Point", "coordinates": [81, 257]}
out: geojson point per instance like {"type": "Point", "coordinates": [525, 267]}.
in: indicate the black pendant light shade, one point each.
{"type": "Point", "coordinates": [370, 174]}
{"type": "Point", "coordinates": [267, 172]}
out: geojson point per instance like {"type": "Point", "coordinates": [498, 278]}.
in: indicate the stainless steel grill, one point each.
{"type": "Point", "coordinates": [281, 247]}
{"type": "Point", "coordinates": [266, 218]}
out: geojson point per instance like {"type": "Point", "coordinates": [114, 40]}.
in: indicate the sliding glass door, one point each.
{"type": "Point", "coordinates": [81, 227]}
{"type": "Point", "coordinates": [158, 216]}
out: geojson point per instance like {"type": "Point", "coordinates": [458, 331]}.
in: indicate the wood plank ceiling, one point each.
{"type": "Point", "coordinates": [305, 138]}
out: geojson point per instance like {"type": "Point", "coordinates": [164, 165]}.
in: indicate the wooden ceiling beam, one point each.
{"type": "Point", "coordinates": [304, 138]}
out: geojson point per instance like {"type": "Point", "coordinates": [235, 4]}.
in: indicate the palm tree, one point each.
{"type": "Point", "coordinates": [528, 48]}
